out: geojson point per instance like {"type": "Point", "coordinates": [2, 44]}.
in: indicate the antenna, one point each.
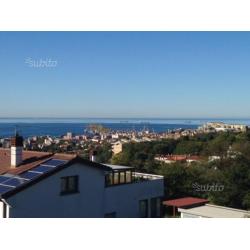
{"type": "Point", "coordinates": [15, 130]}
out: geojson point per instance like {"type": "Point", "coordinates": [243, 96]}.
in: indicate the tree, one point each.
{"type": "Point", "coordinates": [230, 173]}
{"type": "Point", "coordinates": [175, 178]}
{"type": "Point", "coordinates": [246, 201]}
{"type": "Point", "coordinates": [104, 153]}
{"type": "Point", "coordinates": [189, 147]}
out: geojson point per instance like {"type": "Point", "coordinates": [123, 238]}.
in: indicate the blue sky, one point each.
{"type": "Point", "coordinates": [126, 74]}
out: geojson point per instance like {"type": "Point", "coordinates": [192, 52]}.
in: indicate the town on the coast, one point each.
{"type": "Point", "coordinates": [178, 173]}
{"type": "Point", "coordinates": [96, 135]}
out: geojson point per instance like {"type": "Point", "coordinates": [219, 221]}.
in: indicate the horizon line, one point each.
{"type": "Point", "coordinates": [160, 118]}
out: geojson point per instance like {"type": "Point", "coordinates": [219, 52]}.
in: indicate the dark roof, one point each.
{"type": "Point", "coordinates": [185, 202]}
{"type": "Point", "coordinates": [68, 161]}
{"type": "Point", "coordinates": [119, 167]}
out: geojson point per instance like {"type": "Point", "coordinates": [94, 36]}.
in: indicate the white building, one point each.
{"type": "Point", "coordinates": [220, 126]}
{"type": "Point", "coordinates": [117, 147]}
{"type": "Point", "coordinates": [68, 136]}
{"type": "Point", "coordinates": [115, 136]}
{"type": "Point", "coordinates": [191, 207]}
{"type": "Point", "coordinates": [212, 211]}
{"type": "Point", "coordinates": [48, 141]}
{"type": "Point", "coordinates": [44, 185]}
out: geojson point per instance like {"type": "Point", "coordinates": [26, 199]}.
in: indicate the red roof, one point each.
{"type": "Point", "coordinates": [185, 202]}
{"type": "Point", "coordinates": [30, 160]}
{"type": "Point", "coordinates": [180, 157]}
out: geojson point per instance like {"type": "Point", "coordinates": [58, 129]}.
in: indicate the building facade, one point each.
{"type": "Point", "coordinates": [59, 186]}
{"type": "Point", "coordinates": [212, 211]}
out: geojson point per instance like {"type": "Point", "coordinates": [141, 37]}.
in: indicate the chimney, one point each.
{"type": "Point", "coordinates": [93, 155]}
{"type": "Point", "coordinates": [16, 150]}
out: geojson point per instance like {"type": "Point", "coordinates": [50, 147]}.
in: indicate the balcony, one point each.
{"type": "Point", "coordinates": [120, 175]}
{"type": "Point", "coordinates": [146, 177]}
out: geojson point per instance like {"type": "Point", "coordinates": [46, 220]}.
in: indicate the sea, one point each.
{"type": "Point", "coordinates": [29, 127]}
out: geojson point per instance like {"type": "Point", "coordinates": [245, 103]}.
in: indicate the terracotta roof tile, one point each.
{"type": "Point", "coordinates": [185, 202]}
{"type": "Point", "coordinates": [30, 160]}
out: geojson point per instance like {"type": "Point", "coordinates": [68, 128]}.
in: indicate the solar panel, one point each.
{"type": "Point", "coordinates": [42, 169]}
{"type": "Point", "coordinates": [8, 183]}
{"type": "Point", "coordinates": [3, 178]}
{"type": "Point", "coordinates": [29, 175]}
{"type": "Point", "coordinates": [4, 189]}
{"type": "Point", "coordinates": [15, 182]}
{"type": "Point", "coordinates": [55, 162]}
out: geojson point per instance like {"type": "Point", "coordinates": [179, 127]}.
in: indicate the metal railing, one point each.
{"type": "Point", "coordinates": [143, 177]}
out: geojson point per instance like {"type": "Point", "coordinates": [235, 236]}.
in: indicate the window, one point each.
{"type": "Point", "coordinates": [155, 205]}
{"type": "Point", "coordinates": [143, 208]}
{"type": "Point", "coordinates": [128, 176]}
{"type": "Point", "coordinates": [122, 177]}
{"type": "Point", "coordinates": [109, 179]}
{"type": "Point", "coordinates": [116, 178]}
{"type": "Point", "coordinates": [69, 185]}
{"type": "Point", "coordinates": [159, 207]}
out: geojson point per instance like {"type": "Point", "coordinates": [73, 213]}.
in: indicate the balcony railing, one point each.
{"type": "Point", "coordinates": [128, 177]}
{"type": "Point", "coordinates": [146, 177]}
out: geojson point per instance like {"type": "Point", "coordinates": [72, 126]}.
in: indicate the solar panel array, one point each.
{"type": "Point", "coordinates": [10, 182]}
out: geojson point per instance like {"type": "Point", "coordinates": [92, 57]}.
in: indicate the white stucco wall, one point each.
{"type": "Point", "coordinates": [4, 206]}
{"type": "Point", "coordinates": [43, 199]}
{"type": "Point", "coordinates": [1, 209]}
{"type": "Point", "coordinates": [124, 199]}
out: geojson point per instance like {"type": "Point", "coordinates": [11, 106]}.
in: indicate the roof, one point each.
{"type": "Point", "coordinates": [118, 167]}
{"type": "Point", "coordinates": [185, 202]}
{"type": "Point", "coordinates": [35, 167]}
{"type": "Point", "coordinates": [30, 159]}
{"type": "Point", "coordinates": [180, 157]}
{"type": "Point", "coordinates": [212, 211]}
